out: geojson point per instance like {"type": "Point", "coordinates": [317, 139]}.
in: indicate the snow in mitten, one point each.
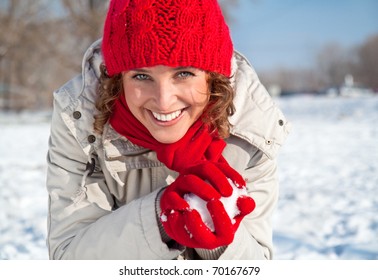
{"type": "Point", "coordinates": [209, 182]}
{"type": "Point", "coordinates": [188, 228]}
{"type": "Point", "coordinates": [237, 206]}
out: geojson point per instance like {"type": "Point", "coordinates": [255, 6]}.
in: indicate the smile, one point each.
{"type": "Point", "coordinates": [167, 117]}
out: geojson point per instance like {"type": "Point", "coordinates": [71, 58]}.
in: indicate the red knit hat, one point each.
{"type": "Point", "coordinates": [145, 33]}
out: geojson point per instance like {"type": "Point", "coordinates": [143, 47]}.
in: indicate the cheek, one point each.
{"type": "Point", "coordinates": [134, 97]}
{"type": "Point", "coordinates": [200, 94]}
{"type": "Point", "coordinates": [132, 92]}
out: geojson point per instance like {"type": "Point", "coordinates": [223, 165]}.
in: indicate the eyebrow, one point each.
{"type": "Point", "coordinates": [139, 70]}
{"type": "Point", "coordinates": [145, 70]}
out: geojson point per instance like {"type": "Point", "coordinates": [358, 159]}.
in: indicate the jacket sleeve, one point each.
{"type": "Point", "coordinates": [87, 226]}
{"type": "Point", "coordinates": [253, 239]}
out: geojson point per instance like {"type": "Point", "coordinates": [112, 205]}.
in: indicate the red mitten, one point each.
{"type": "Point", "coordinates": [175, 208]}
{"type": "Point", "coordinates": [237, 207]}
{"type": "Point", "coordinates": [185, 225]}
{"type": "Point", "coordinates": [246, 205]}
{"type": "Point", "coordinates": [187, 228]}
{"type": "Point", "coordinates": [217, 175]}
{"type": "Point", "coordinates": [172, 198]}
{"type": "Point", "coordinates": [223, 233]}
{"type": "Point", "coordinates": [206, 180]}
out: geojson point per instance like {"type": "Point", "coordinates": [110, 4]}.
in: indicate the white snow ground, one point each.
{"type": "Point", "coordinates": [328, 168]}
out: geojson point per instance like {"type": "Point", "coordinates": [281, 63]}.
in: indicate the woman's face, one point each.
{"type": "Point", "coordinates": [166, 100]}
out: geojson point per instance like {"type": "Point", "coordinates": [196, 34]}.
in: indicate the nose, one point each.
{"type": "Point", "coordinates": [165, 95]}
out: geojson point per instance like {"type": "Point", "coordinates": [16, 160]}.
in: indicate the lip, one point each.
{"type": "Point", "coordinates": [167, 123]}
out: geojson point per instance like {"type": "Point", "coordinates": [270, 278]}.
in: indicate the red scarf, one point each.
{"type": "Point", "coordinates": [198, 144]}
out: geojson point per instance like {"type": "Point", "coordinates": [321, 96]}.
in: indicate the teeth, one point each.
{"type": "Point", "coordinates": [167, 117]}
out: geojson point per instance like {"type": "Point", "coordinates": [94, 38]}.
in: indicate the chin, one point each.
{"type": "Point", "coordinates": [167, 138]}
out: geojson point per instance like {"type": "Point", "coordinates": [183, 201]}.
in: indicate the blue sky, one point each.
{"type": "Point", "coordinates": [289, 33]}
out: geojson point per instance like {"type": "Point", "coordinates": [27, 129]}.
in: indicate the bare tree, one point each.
{"type": "Point", "coordinates": [38, 52]}
{"type": "Point", "coordinates": [333, 64]}
{"type": "Point", "coordinates": [291, 80]}
{"type": "Point", "coordinates": [87, 17]}
{"type": "Point", "coordinates": [18, 40]}
{"type": "Point", "coordinates": [366, 69]}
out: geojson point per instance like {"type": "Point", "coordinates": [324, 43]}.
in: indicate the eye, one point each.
{"type": "Point", "coordinates": [141, 77]}
{"type": "Point", "coordinates": [185, 74]}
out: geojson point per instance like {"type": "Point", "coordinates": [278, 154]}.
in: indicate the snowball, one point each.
{"type": "Point", "coordinates": [229, 204]}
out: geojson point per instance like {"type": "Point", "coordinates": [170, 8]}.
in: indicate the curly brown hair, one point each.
{"type": "Point", "coordinates": [217, 115]}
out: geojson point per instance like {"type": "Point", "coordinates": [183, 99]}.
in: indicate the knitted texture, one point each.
{"type": "Point", "coordinates": [175, 33]}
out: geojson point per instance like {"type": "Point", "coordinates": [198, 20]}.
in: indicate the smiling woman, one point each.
{"type": "Point", "coordinates": [163, 110]}
{"type": "Point", "coordinates": [166, 100]}
{"type": "Point", "coordinates": [186, 84]}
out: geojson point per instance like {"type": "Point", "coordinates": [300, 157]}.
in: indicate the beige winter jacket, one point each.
{"type": "Point", "coordinates": [111, 214]}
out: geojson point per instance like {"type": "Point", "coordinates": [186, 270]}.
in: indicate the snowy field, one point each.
{"type": "Point", "coordinates": [328, 169]}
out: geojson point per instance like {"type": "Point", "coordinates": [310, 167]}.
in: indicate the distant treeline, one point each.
{"type": "Point", "coordinates": [42, 44]}
{"type": "Point", "coordinates": [333, 64]}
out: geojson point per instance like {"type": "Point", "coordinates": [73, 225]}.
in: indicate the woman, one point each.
{"type": "Point", "coordinates": [164, 110]}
